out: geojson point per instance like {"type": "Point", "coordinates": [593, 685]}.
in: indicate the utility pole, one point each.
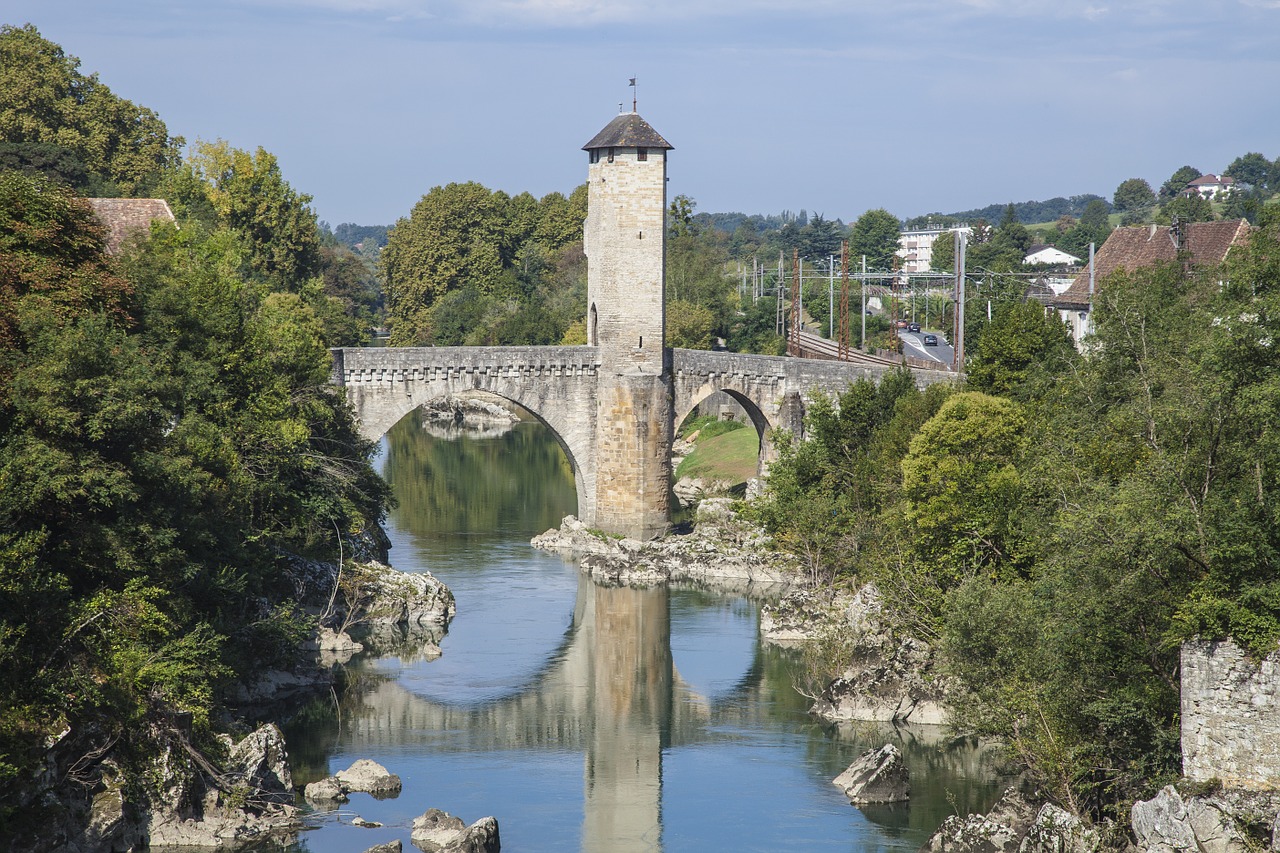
{"type": "Point", "coordinates": [864, 303]}
{"type": "Point", "coordinates": [957, 358]}
{"type": "Point", "coordinates": [831, 296]}
{"type": "Point", "coordinates": [797, 290]}
{"type": "Point", "coordinates": [780, 316]}
{"type": "Point", "coordinates": [842, 351]}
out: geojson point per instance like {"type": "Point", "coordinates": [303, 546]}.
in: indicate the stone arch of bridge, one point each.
{"type": "Point", "coordinates": [379, 410]}
{"type": "Point", "coordinates": [759, 419]}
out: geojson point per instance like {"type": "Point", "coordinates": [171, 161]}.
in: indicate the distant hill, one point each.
{"type": "Point", "coordinates": [352, 235]}
{"type": "Point", "coordinates": [1026, 212]}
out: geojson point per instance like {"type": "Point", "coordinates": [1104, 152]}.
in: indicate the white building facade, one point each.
{"type": "Point", "coordinates": [915, 245]}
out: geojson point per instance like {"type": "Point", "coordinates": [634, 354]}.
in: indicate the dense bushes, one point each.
{"type": "Point", "coordinates": [1060, 527]}
{"type": "Point", "coordinates": [166, 437]}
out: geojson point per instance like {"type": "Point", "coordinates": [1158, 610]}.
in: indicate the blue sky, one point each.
{"type": "Point", "coordinates": [833, 106]}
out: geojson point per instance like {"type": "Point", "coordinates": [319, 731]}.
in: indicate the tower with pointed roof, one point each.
{"type": "Point", "coordinates": [625, 242]}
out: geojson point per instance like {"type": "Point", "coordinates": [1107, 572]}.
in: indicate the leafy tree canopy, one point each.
{"type": "Point", "coordinates": [1178, 181]}
{"type": "Point", "coordinates": [875, 234]}
{"type": "Point", "coordinates": [1252, 169]}
{"type": "Point", "coordinates": [1132, 195]}
{"type": "Point", "coordinates": [57, 120]}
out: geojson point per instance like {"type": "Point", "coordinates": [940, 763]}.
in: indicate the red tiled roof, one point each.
{"type": "Point", "coordinates": [1129, 248]}
{"type": "Point", "coordinates": [123, 216]}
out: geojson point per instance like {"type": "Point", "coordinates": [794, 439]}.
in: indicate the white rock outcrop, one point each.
{"type": "Point", "coordinates": [890, 676]}
{"type": "Point", "coordinates": [1169, 824]}
{"type": "Point", "coordinates": [722, 551]}
{"type": "Point", "coordinates": [362, 777]}
{"type": "Point", "coordinates": [252, 804]}
{"type": "Point", "coordinates": [877, 776]}
{"type": "Point", "coordinates": [1014, 825]}
{"type": "Point", "coordinates": [440, 832]}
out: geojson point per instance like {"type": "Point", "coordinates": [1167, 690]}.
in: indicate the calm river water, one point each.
{"type": "Point", "coordinates": [587, 718]}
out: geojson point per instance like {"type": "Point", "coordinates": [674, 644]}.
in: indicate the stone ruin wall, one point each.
{"type": "Point", "coordinates": [1230, 716]}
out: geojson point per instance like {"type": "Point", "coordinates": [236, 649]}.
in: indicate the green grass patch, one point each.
{"type": "Point", "coordinates": [730, 456]}
{"type": "Point", "coordinates": [692, 425]}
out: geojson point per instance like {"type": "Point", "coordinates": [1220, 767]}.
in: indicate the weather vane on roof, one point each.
{"type": "Point", "coordinates": [633, 94]}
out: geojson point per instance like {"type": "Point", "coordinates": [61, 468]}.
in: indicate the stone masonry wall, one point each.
{"type": "Point", "coordinates": [633, 455]}
{"type": "Point", "coordinates": [1230, 716]}
{"type": "Point", "coordinates": [623, 238]}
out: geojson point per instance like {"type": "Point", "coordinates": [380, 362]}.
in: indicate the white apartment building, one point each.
{"type": "Point", "coordinates": [915, 245]}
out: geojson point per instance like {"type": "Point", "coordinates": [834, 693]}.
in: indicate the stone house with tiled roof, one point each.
{"type": "Point", "coordinates": [125, 216]}
{"type": "Point", "coordinates": [1195, 243]}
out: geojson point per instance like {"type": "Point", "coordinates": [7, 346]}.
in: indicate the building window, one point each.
{"type": "Point", "coordinates": [642, 154]}
{"type": "Point", "coordinates": [610, 155]}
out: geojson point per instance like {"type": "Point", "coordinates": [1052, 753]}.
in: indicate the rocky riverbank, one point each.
{"type": "Point", "coordinates": [238, 793]}
{"type": "Point", "coordinates": [723, 552]}
{"type": "Point", "coordinates": [1204, 821]}
{"type": "Point", "coordinates": [889, 677]}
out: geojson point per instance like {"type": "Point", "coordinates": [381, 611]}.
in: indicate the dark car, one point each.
{"type": "Point", "coordinates": [931, 340]}
{"type": "Point", "coordinates": [914, 327]}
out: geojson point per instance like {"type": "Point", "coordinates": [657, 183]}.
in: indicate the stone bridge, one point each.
{"type": "Point", "coordinates": [612, 405]}
{"type": "Point", "coordinates": [560, 387]}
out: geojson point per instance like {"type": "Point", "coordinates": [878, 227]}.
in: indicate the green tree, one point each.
{"type": "Point", "coordinates": [1133, 195]}
{"type": "Point", "coordinates": [943, 256]}
{"type": "Point", "coordinates": [559, 220]}
{"type": "Point", "coordinates": [456, 236]}
{"type": "Point", "coordinates": [688, 325]}
{"type": "Point", "coordinates": [821, 238]}
{"type": "Point", "coordinates": [166, 435]}
{"type": "Point", "coordinates": [962, 490]}
{"type": "Point", "coordinates": [875, 235]}
{"type": "Point", "coordinates": [1252, 169]}
{"type": "Point", "coordinates": [248, 193]}
{"type": "Point", "coordinates": [1187, 208]}
{"type": "Point", "coordinates": [1023, 348]}
{"type": "Point", "coordinates": [47, 101]}
{"type": "Point", "coordinates": [1178, 181]}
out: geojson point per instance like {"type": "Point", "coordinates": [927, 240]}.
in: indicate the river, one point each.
{"type": "Point", "coordinates": [588, 718]}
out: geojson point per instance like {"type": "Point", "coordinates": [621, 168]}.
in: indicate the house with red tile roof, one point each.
{"type": "Point", "coordinates": [125, 216]}
{"type": "Point", "coordinates": [1210, 186]}
{"type": "Point", "coordinates": [1204, 244]}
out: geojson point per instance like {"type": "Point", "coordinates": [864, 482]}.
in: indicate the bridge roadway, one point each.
{"type": "Point", "coordinates": [558, 385]}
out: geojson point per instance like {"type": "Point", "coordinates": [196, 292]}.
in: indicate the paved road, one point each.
{"type": "Point", "coordinates": [913, 345]}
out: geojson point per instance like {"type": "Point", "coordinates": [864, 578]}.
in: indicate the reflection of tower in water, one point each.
{"type": "Point", "coordinates": [631, 689]}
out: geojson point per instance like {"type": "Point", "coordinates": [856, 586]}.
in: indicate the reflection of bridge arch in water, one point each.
{"type": "Point", "coordinates": [609, 690]}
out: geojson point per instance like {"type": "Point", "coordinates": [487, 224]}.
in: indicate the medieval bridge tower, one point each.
{"type": "Point", "coordinates": [612, 404]}
{"type": "Point", "coordinates": [625, 242]}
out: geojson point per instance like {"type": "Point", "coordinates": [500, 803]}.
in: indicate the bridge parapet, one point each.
{"type": "Point", "coordinates": [352, 366]}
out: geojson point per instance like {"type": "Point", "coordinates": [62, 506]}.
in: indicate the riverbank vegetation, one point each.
{"type": "Point", "coordinates": [168, 438]}
{"type": "Point", "coordinates": [1059, 524]}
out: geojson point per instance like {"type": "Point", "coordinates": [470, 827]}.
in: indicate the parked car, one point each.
{"type": "Point", "coordinates": [914, 327]}
{"type": "Point", "coordinates": [931, 340]}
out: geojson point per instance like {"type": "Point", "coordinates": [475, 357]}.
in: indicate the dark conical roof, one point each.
{"type": "Point", "coordinates": [628, 130]}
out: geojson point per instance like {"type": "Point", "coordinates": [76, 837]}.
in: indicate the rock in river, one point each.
{"type": "Point", "coordinates": [878, 776]}
{"type": "Point", "coordinates": [440, 832]}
